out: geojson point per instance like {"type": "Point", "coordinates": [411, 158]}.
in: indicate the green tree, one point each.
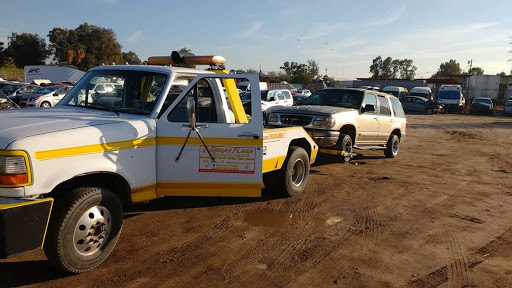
{"type": "Point", "coordinates": [451, 67]}
{"type": "Point", "coordinates": [375, 68]}
{"type": "Point", "coordinates": [86, 46]}
{"type": "Point", "coordinates": [3, 54]}
{"type": "Point", "coordinates": [502, 74]}
{"type": "Point", "coordinates": [27, 49]}
{"type": "Point", "coordinates": [313, 68]}
{"type": "Point", "coordinates": [392, 68]}
{"type": "Point", "coordinates": [476, 71]}
{"type": "Point", "coordinates": [131, 57]}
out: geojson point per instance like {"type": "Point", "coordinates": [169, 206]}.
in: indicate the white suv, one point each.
{"type": "Point", "coordinates": [340, 119]}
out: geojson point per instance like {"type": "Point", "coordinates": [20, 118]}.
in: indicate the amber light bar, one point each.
{"type": "Point", "coordinates": [186, 58]}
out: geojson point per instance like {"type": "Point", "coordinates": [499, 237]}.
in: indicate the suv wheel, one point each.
{"type": "Point", "coordinates": [392, 146]}
{"type": "Point", "coordinates": [345, 144]}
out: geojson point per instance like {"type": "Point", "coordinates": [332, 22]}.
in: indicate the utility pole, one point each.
{"type": "Point", "coordinates": [470, 62]}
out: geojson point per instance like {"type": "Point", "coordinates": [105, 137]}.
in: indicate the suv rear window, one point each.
{"type": "Point", "coordinates": [384, 106]}
{"type": "Point", "coordinates": [397, 107]}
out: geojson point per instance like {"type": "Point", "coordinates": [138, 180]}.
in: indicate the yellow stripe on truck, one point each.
{"type": "Point", "coordinates": [96, 148]}
{"type": "Point", "coordinates": [234, 98]}
{"type": "Point", "coordinates": [273, 164]}
{"type": "Point", "coordinates": [209, 189]}
{"type": "Point", "coordinates": [139, 143]}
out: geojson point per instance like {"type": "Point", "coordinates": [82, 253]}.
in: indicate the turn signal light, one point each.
{"type": "Point", "coordinates": [13, 179]}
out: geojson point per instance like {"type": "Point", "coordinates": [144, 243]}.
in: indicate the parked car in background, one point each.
{"type": "Point", "coordinates": [288, 98]}
{"type": "Point", "coordinates": [424, 92]}
{"type": "Point", "coordinates": [16, 91]}
{"type": "Point", "coordinates": [452, 98]}
{"type": "Point", "coordinates": [482, 106]}
{"type": "Point", "coordinates": [416, 104]}
{"type": "Point", "coordinates": [45, 97]}
{"type": "Point", "coordinates": [508, 107]}
{"type": "Point", "coordinates": [374, 88]}
{"type": "Point", "coordinates": [269, 98]}
{"type": "Point", "coordinates": [6, 103]}
{"type": "Point", "coordinates": [396, 91]}
{"type": "Point", "coordinates": [303, 92]}
{"type": "Point", "coordinates": [297, 99]}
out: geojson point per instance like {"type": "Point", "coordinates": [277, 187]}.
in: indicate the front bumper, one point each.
{"type": "Point", "coordinates": [324, 138]}
{"type": "Point", "coordinates": [23, 225]}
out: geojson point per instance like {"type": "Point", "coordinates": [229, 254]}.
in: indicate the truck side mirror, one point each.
{"type": "Point", "coordinates": [191, 111]}
{"type": "Point", "coordinates": [368, 108]}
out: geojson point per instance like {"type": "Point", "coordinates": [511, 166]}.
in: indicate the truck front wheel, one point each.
{"type": "Point", "coordinates": [84, 228]}
{"type": "Point", "coordinates": [291, 179]}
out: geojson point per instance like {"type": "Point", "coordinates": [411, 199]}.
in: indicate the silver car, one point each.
{"type": "Point", "coordinates": [45, 97]}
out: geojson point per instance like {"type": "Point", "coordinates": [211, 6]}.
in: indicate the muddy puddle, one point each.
{"type": "Point", "coordinates": [272, 219]}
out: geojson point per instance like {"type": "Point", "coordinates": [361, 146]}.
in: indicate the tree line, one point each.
{"type": "Point", "coordinates": [390, 68]}
{"type": "Point", "coordinates": [85, 47]}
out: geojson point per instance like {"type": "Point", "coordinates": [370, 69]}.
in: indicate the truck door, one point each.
{"type": "Point", "coordinates": [234, 142]}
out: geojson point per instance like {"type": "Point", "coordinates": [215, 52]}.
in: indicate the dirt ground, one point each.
{"type": "Point", "coordinates": [438, 215]}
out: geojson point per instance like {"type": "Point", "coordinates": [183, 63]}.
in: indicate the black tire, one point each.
{"type": "Point", "coordinates": [346, 145]}
{"type": "Point", "coordinates": [284, 181]}
{"type": "Point", "coordinates": [60, 247]}
{"type": "Point", "coordinates": [429, 111]}
{"type": "Point", "coordinates": [267, 180]}
{"type": "Point", "coordinates": [392, 146]}
{"type": "Point", "coordinates": [45, 104]}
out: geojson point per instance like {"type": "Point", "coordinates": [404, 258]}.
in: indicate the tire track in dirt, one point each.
{"type": "Point", "coordinates": [459, 265]}
{"type": "Point", "coordinates": [367, 225]}
{"type": "Point", "coordinates": [457, 272]}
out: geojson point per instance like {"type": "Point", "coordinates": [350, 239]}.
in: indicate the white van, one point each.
{"type": "Point", "coordinates": [395, 90]}
{"type": "Point", "coordinates": [424, 92]}
{"type": "Point", "coordinates": [452, 98]}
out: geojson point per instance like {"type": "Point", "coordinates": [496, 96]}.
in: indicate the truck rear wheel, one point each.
{"type": "Point", "coordinates": [291, 179]}
{"type": "Point", "coordinates": [84, 228]}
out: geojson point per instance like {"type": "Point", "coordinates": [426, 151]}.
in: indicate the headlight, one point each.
{"type": "Point", "coordinates": [273, 119]}
{"type": "Point", "coordinates": [325, 122]}
{"type": "Point", "coordinates": [13, 169]}
{"type": "Point", "coordinates": [34, 98]}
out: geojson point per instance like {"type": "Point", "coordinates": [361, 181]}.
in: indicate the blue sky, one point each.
{"type": "Point", "coordinates": [342, 36]}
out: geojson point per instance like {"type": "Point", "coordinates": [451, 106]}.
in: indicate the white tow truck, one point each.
{"type": "Point", "coordinates": [67, 172]}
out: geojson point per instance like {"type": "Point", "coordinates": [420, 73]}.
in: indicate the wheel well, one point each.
{"type": "Point", "coordinates": [397, 133]}
{"type": "Point", "coordinates": [349, 130]}
{"type": "Point", "coordinates": [109, 180]}
{"type": "Point", "coordinates": [303, 143]}
{"type": "Point", "coordinates": [45, 101]}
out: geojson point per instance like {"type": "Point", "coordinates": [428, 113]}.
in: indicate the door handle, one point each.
{"type": "Point", "coordinates": [198, 126]}
{"type": "Point", "coordinates": [249, 135]}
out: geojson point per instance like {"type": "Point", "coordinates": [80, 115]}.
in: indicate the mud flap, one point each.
{"type": "Point", "coordinates": [23, 225]}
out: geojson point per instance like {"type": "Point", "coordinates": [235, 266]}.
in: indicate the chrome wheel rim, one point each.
{"type": "Point", "coordinates": [348, 147]}
{"type": "Point", "coordinates": [299, 171]}
{"type": "Point", "coordinates": [92, 230]}
{"type": "Point", "coordinates": [395, 146]}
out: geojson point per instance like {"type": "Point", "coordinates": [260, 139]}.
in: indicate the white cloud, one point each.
{"type": "Point", "coordinates": [254, 31]}
{"type": "Point", "coordinates": [135, 37]}
{"type": "Point", "coordinates": [389, 19]}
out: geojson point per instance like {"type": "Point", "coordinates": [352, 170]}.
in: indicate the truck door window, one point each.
{"type": "Point", "coordinates": [207, 105]}
{"type": "Point", "coordinates": [279, 96]}
{"type": "Point", "coordinates": [384, 106]}
{"type": "Point", "coordinates": [370, 99]}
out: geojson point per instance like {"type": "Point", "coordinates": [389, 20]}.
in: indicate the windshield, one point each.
{"type": "Point", "coordinates": [483, 101]}
{"type": "Point", "coordinates": [9, 88]}
{"type": "Point", "coordinates": [420, 94]}
{"type": "Point", "coordinates": [449, 94]}
{"type": "Point", "coordinates": [336, 97]}
{"type": "Point", "coordinates": [47, 90]}
{"type": "Point", "coordinates": [127, 91]}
